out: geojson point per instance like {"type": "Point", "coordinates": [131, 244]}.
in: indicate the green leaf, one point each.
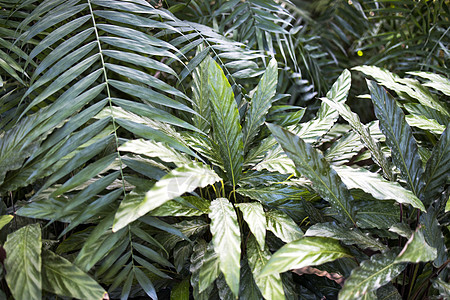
{"type": "Point", "coordinates": [226, 240]}
{"type": "Point", "coordinates": [425, 123]}
{"type": "Point", "coordinates": [255, 217]}
{"type": "Point", "coordinates": [377, 214]}
{"type": "Point", "coordinates": [210, 269]}
{"type": "Point", "coordinates": [181, 290]}
{"type": "Point", "coordinates": [375, 185]}
{"type": "Point", "coordinates": [61, 277]}
{"type": "Point", "coordinates": [5, 219]}
{"type": "Point", "coordinates": [364, 133]}
{"type": "Point", "coordinates": [179, 181]}
{"type": "Point", "coordinates": [326, 116]}
{"type": "Point", "coordinates": [307, 251]}
{"type": "Point", "coordinates": [98, 244]}
{"type": "Point", "coordinates": [436, 81]}
{"type": "Point", "coordinates": [23, 262]}
{"type": "Point", "coordinates": [404, 87]}
{"type": "Point", "coordinates": [310, 163]}
{"type": "Point", "coordinates": [399, 137]}
{"type": "Point", "coordinates": [437, 169]}
{"type": "Point", "coordinates": [200, 96]}
{"type": "Point", "coordinates": [347, 236]}
{"type": "Point", "coordinates": [197, 259]}
{"type": "Point", "coordinates": [188, 206]}
{"type": "Point", "coordinates": [271, 286]}
{"type": "Point", "coordinates": [434, 235]}
{"type": "Point", "coordinates": [260, 103]}
{"type": "Point", "coordinates": [416, 249]}
{"type": "Point", "coordinates": [283, 226]}
{"type": "Point", "coordinates": [225, 122]}
{"type": "Point", "coordinates": [370, 275]}
{"type": "Point", "coordinates": [155, 149]}
{"type": "Point", "coordinates": [145, 283]}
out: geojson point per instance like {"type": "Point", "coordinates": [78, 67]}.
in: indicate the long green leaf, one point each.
{"type": "Point", "coordinates": [226, 240]}
{"type": "Point", "coordinates": [255, 217]}
{"type": "Point", "coordinates": [310, 163]}
{"type": "Point", "coordinates": [399, 137]}
{"type": "Point", "coordinates": [417, 250]}
{"type": "Point", "coordinates": [61, 277]}
{"type": "Point", "coordinates": [364, 133]}
{"type": "Point", "coordinates": [370, 275]}
{"type": "Point", "coordinates": [260, 103]}
{"type": "Point", "coordinates": [271, 286]}
{"type": "Point", "coordinates": [437, 169]}
{"type": "Point", "coordinates": [225, 121]}
{"type": "Point", "coordinates": [23, 262]}
{"type": "Point", "coordinates": [179, 181]}
{"type": "Point", "coordinates": [348, 237]}
{"type": "Point", "coordinates": [378, 187]}
{"type": "Point", "coordinates": [155, 149]}
{"type": "Point", "coordinates": [210, 269]}
{"type": "Point", "coordinates": [200, 91]}
{"type": "Point", "coordinates": [326, 116]}
{"type": "Point", "coordinates": [283, 226]}
{"type": "Point", "coordinates": [307, 251]}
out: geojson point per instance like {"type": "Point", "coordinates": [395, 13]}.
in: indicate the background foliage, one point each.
{"type": "Point", "coordinates": [224, 149]}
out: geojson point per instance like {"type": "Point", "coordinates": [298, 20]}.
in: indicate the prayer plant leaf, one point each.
{"type": "Point", "coordinates": [326, 116]}
{"type": "Point", "coordinates": [23, 262]}
{"type": "Point", "coordinates": [417, 249]}
{"type": "Point", "coordinates": [352, 236]}
{"type": "Point", "coordinates": [399, 137]}
{"type": "Point", "coordinates": [437, 169]}
{"type": "Point", "coordinates": [311, 164]}
{"type": "Point", "coordinates": [260, 103]}
{"type": "Point", "coordinates": [307, 251]}
{"type": "Point", "coordinates": [63, 278]}
{"type": "Point", "coordinates": [375, 185]}
{"type": "Point", "coordinates": [226, 238]}
{"type": "Point", "coordinates": [270, 286]}
{"type": "Point", "coordinates": [255, 218]}
{"type": "Point", "coordinates": [282, 226]}
{"type": "Point", "coordinates": [177, 182]}
{"type": "Point", "coordinates": [379, 270]}
{"type": "Point", "coordinates": [225, 122]}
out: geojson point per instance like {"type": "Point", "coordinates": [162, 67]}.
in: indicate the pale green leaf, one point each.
{"type": "Point", "coordinates": [375, 185]}
{"type": "Point", "coordinates": [225, 122]}
{"type": "Point", "coordinates": [210, 269]}
{"type": "Point", "coordinates": [61, 277]}
{"type": "Point", "coordinates": [310, 163]}
{"type": "Point", "coordinates": [179, 181]}
{"type": "Point", "coordinates": [283, 226]}
{"type": "Point", "coordinates": [436, 81]}
{"type": "Point", "coordinates": [326, 116]}
{"type": "Point", "coordinates": [364, 133]}
{"type": "Point", "coordinates": [307, 251]}
{"type": "Point", "coordinates": [425, 123]}
{"type": "Point", "coordinates": [254, 215]}
{"type": "Point", "coordinates": [155, 149]}
{"type": "Point", "coordinates": [417, 250]}
{"type": "Point", "coordinates": [260, 103]}
{"type": "Point", "coordinates": [23, 262]}
{"type": "Point", "coordinates": [226, 240]}
{"type": "Point", "coordinates": [271, 286]}
{"type": "Point", "coordinates": [370, 275]}
{"type": "Point", "coordinates": [352, 236]}
{"type": "Point", "coordinates": [5, 219]}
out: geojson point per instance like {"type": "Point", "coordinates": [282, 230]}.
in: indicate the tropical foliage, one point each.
{"type": "Point", "coordinates": [157, 149]}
